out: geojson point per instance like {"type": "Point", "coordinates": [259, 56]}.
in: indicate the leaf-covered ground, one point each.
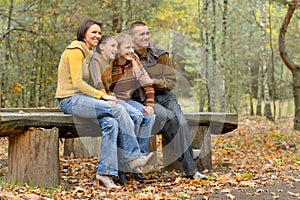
{"type": "Point", "coordinates": [259, 160]}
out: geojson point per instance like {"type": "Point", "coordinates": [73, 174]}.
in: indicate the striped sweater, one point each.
{"type": "Point", "coordinates": [124, 83]}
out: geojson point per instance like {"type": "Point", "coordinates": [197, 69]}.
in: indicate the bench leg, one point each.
{"type": "Point", "coordinates": [201, 140]}
{"type": "Point", "coordinates": [153, 148]}
{"type": "Point", "coordinates": [84, 147]}
{"type": "Point", "coordinates": [33, 157]}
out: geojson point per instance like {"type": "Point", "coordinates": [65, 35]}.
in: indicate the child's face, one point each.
{"type": "Point", "coordinates": [109, 49]}
{"type": "Point", "coordinates": [126, 50]}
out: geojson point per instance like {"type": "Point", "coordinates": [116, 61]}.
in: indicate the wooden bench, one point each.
{"type": "Point", "coordinates": [33, 134]}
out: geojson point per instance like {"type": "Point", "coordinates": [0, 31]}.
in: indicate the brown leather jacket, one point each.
{"type": "Point", "coordinates": [159, 67]}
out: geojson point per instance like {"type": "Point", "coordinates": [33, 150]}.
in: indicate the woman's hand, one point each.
{"type": "Point", "coordinates": [112, 100]}
{"type": "Point", "coordinates": [148, 110]}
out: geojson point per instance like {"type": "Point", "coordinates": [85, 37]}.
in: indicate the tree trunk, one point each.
{"type": "Point", "coordinates": [116, 28]}
{"type": "Point", "coordinates": [264, 66]}
{"type": "Point", "coordinates": [205, 40]}
{"type": "Point", "coordinates": [259, 92]}
{"type": "Point", "coordinates": [4, 78]}
{"type": "Point", "coordinates": [296, 89]}
{"type": "Point", "coordinates": [213, 67]}
{"type": "Point", "coordinates": [282, 97]}
{"type": "Point", "coordinates": [83, 147]}
{"type": "Point", "coordinates": [33, 157]}
{"type": "Point", "coordinates": [223, 58]}
{"type": "Point", "coordinates": [289, 62]}
{"type": "Point", "coordinates": [124, 15]}
{"type": "Point", "coordinates": [250, 72]}
{"type": "Point", "coordinates": [272, 68]}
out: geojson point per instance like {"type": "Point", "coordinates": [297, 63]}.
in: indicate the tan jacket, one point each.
{"type": "Point", "coordinates": [73, 72]}
{"type": "Point", "coordinates": [157, 63]}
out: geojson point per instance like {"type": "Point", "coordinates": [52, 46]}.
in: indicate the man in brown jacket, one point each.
{"type": "Point", "coordinates": [170, 120]}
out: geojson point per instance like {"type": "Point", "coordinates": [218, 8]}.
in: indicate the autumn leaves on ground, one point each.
{"type": "Point", "coordinates": [259, 160]}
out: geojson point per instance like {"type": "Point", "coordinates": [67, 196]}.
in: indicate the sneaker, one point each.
{"type": "Point", "coordinates": [199, 176]}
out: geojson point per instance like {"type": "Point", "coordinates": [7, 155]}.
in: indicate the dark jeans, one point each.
{"type": "Point", "coordinates": [171, 123]}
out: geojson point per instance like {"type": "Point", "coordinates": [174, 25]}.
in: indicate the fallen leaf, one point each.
{"type": "Point", "coordinates": [293, 194]}
{"type": "Point", "coordinates": [230, 196]}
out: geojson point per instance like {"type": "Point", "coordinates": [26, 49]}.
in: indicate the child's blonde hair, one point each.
{"type": "Point", "coordinates": [123, 37]}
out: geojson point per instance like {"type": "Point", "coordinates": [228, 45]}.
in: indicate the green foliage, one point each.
{"type": "Point", "coordinates": [34, 33]}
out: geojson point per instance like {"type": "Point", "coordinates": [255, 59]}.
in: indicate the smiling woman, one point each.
{"type": "Point", "coordinates": [92, 36]}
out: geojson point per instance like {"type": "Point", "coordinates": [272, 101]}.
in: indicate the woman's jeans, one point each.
{"type": "Point", "coordinates": [143, 123]}
{"type": "Point", "coordinates": [118, 135]}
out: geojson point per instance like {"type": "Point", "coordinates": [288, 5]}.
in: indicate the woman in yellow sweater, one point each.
{"type": "Point", "coordinates": [83, 101]}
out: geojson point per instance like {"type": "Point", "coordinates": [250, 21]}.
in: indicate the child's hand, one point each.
{"type": "Point", "coordinates": [148, 110]}
{"type": "Point", "coordinates": [112, 100]}
{"type": "Point", "coordinates": [134, 60]}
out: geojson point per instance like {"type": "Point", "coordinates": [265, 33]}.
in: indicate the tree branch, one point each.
{"type": "Point", "coordinates": [285, 58]}
{"type": "Point", "coordinates": [13, 29]}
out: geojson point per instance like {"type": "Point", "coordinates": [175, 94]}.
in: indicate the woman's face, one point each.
{"type": "Point", "coordinates": [109, 50]}
{"type": "Point", "coordinates": [126, 50]}
{"type": "Point", "coordinates": [93, 36]}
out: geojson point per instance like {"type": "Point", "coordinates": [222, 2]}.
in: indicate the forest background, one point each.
{"type": "Point", "coordinates": [225, 51]}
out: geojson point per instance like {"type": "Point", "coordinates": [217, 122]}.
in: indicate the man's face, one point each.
{"type": "Point", "coordinates": [141, 37]}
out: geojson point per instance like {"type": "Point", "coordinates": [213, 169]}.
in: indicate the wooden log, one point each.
{"type": "Point", "coordinates": [201, 140]}
{"type": "Point", "coordinates": [84, 147]}
{"type": "Point", "coordinates": [153, 148]}
{"type": "Point", "coordinates": [33, 157]}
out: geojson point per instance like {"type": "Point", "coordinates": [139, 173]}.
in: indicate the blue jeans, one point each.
{"type": "Point", "coordinates": [143, 123]}
{"type": "Point", "coordinates": [117, 129]}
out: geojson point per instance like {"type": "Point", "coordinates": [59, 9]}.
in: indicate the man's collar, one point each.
{"type": "Point", "coordinates": [142, 52]}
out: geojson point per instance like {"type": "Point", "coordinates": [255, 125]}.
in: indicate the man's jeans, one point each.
{"type": "Point", "coordinates": [143, 123]}
{"type": "Point", "coordinates": [117, 129]}
{"type": "Point", "coordinates": [173, 126]}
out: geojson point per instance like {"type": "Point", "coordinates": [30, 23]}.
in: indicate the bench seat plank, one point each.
{"type": "Point", "coordinates": [14, 120]}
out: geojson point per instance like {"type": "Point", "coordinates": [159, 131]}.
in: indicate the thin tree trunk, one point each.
{"type": "Point", "coordinates": [4, 77]}
{"type": "Point", "coordinates": [213, 70]}
{"type": "Point", "coordinates": [123, 15]}
{"type": "Point", "coordinates": [223, 57]}
{"type": "Point", "coordinates": [205, 40]}
{"type": "Point", "coordinates": [272, 68]}
{"type": "Point", "coordinates": [250, 73]}
{"type": "Point", "coordinates": [281, 98]}
{"type": "Point", "coordinates": [289, 62]}
{"type": "Point", "coordinates": [263, 17]}
{"type": "Point", "coordinates": [259, 92]}
{"type": "Point", "coordinates": [116, 28]}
